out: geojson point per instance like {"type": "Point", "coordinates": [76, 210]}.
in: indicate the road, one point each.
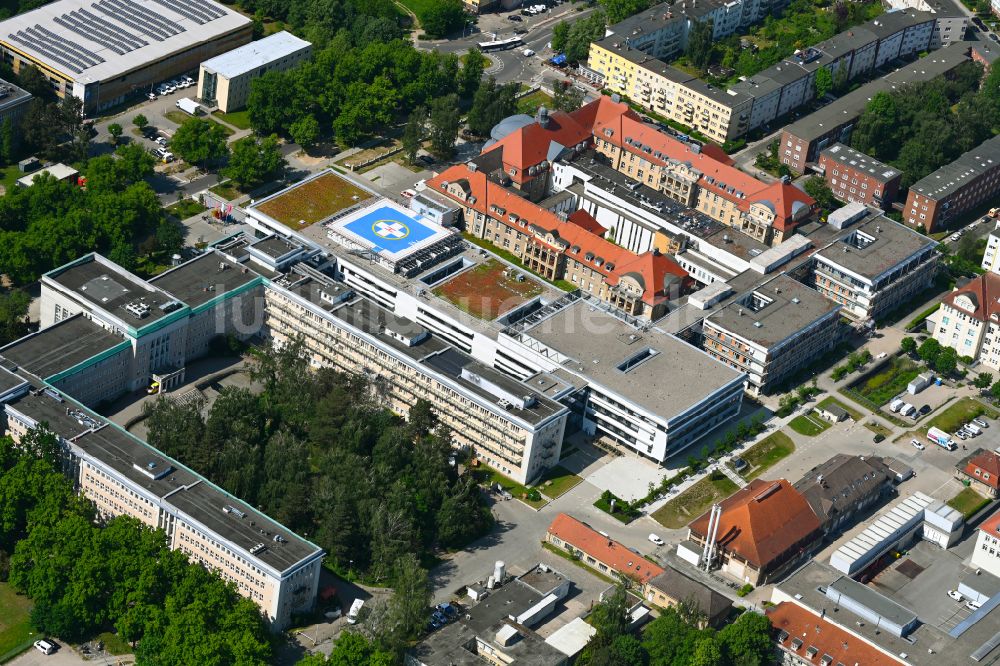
{"type": "Point", "coordinates": [512, 65]}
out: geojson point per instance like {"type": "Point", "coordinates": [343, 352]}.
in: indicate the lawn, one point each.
{"type": "Point", "coordinates": [694, 501]}
{"type": "Point", "coordinates": [226, 191]}
{"type": "Point", "coordinates": [809, 425]}
{"type": "Point", "coordinates": [622, 511]}
{"type": "Point", "coordinates": [959, 414]}
{"type": "Point", "coordinates": [15, 627]}
{"type": "Point", "coordinates": [558, 481]}
{"type": "Point", "coordinates": [10, 177]}
{"type": "Point", "coordinates": [529, 103]}
{"type": "Point", "coordinates": [564, 285]}
{"type": "Point", "coordinates": [185, 208]}
{"type": "Point", "coordinates": [240, 119]}
{"type": "Point", "coordinates": [968, 502]}
{"type": "Point", "coordinates": [489, 476]}
{"type": "Point", "coordinates": [312, 201]}
{"type": "Point", "coordinates": [488, 290]}
{"type": "Point", "coordinates": [113, 643]}
{"type": "Point", "coordinates": [830, 400]}
{"type": "Point", "coordinates": [878, 428]}
{"type": "Point", "coordinates": [888, 382]}
{"type": "Point", "coordinates": [180, 117]}
{"type": "Point", "coordinates": [766, 453]}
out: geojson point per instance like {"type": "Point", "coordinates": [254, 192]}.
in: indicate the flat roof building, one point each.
{"type": "Point", "coordinates": [224, 81]}
{"type": "Point", "coordinates": [772, 331]}
{"type": "Point", "coordinates": [875, 268]}
{"type": "Point", "coordinates": [956, 188]}
{"type": "Point", "coordinates": [103, 54]}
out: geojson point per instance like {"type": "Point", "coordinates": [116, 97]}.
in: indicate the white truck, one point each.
{"type": "Point", "coordinates": [896, 405]}
{"type": "Point", "coordinates": [352, 615]}
{"type": "Point", "coordinates": [188, 105]}
{"type": "Point", "coordinates": [908, 409]}
{"type": "Point", "coordinates": [974, 429]}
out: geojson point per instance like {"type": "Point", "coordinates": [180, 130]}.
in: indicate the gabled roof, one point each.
{"type": "Point", "coordinates": [761, 522]}
{"type": "Point", "coordinates": [797, 630]}
{"type": "Point", "coordinates": [576, 241]}
{"type": "Point", "coordinates": [988, 464]}
{"type": "Point", "coordinates": [533, 144]}
{"type": "Point", "coordinates": [699, 596]}
{"type": "Point", "coordinates": [586, 221]}
{"type": "Point", "coordinates": [616, 555]}
{"type": "Point", "coordinates": [982, 292]}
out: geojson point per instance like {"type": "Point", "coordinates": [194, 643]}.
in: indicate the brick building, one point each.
{"type": "Point", "coordinates": [854, 177]}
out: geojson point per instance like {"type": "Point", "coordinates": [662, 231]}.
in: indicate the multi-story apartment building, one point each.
{"type": "Point", "coordinates": [991, 257]}
{"type": "Point", "coordinates": [224, 81]}
{"type": "Point", "coordinates": [854, 177]}
{"type": "Point", "coordinates": [951, 22]}
{"type": "Point", "coordinates": [772, 331]}
{"type": "Point", "coordinates": [122, 475]}
{"type": "Point", "coordinates": [802, 140]}
{"type": "Point", "coordinates": [875, 268]}
{"type": "Point", "coordinates": [629, 62]}
{"type": "Point", "coordinates": [986, 555]}
{"type": "Point", "coordinates": [969, 318]}
{"type": "Point", "coordinates": [954, 189]}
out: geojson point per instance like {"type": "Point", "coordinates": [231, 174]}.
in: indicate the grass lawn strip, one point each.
{"type": "Point", "coordinates": [566, 556]}
{"type": "Point", "coordinates": [488, 290]}
{"type": "Point", "coordinates": [808, 425]}
{"type": "Point", "coordinates": [529, 103]}
{"type": "Point", "coordinates": [15, 624]}
{"type": "Point", "coordinates": [558, 481]}
{"type": "Point", "coordinates": [491, 476]}
{"type": "Point", "coordinates": [830, 400]}
{"type": "Point", "coordinates": [313, 201]}
{"type": "Point", "coordinates": [240, 119]}
{"type": "Point", "coordinates": [959, 414]}
{"type": "Point", "coordinates": [889, 382]}
{"type": "Point", "coordinates": [968, 502]}
{"type": "Point", "coordinates": [693, 502]}
{"type": "Point", "coordinates": [766, 453]}
{"type": "Point", "coordinates": [185, 208]}
{"type": "Point", "coordinates": [878, 428]}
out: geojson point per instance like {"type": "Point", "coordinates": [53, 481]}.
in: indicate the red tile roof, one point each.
{"type": "Point", "coordinates": [799, 624]}
{"type": "Point", "coordinates": [762, 522]}
{"type": "Point", "coordinates": [991, 525]}
{"type": "Point", "coordinates": [584, 538]}
{"type": "Point", "coordinates": [652, 267]}
{"type": "Point", "coordinates": [528, 146]}
{"type": "Point", "coordinates": [988, 464]}
{"type": "Point", "coordinates": [983, 292]}
{"type": "Point", "coordinates": [585, 220]}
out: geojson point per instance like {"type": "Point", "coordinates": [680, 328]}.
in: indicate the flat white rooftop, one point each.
{"type": "Point", "coordinates": [97, 40]}
{"type": "Point", "coordinates": [255, 54]}
{"type": "Point", "coordinates": [388, 230]}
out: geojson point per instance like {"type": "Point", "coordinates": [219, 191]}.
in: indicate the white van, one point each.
{"type": "Point", "coordinates": [352, 615]}
{"type": "Point", "coordinates": [908, 409]}
{"type": "Point", "coordinates": [896, 405]}
{"type": "Point", "coordinates": [974, 429]}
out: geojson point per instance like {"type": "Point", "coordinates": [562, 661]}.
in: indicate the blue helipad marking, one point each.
{"type": "Point", "coordinates": [390, 230]}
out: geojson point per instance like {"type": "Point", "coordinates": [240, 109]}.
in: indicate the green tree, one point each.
{"type": "Point", "coordinates": [908, 345]}
{"type": "Point", "coordinates": [700, 44]}
{"type": "Point", "coordinates": [817, 188]}
{"type": "Point", "coordinates": [115, 130]}
{"type": "Point", "coordinates": [13, 315]}
{"type": "Point", "coordinates": [747, 641]}
{"type": "Point", "coordinates": [140, 121]}
{"type": "Point", "coordinates": [443, 121]}
{"type": "Point", "coordinates": [7, 141]}
{"type": "Point", "coordinates": [946, 361]}
{"type": "Point", "coordinates": [199, 141]}
{"type": "Point", "coordinates": [567, 97]}
{"type": "Point", "coordinates": [169, 238]}
{"type": "Point", "coordinates": [353, 649]}
{"type": "Point", "coordinates": [983, 381]}
{"type": "Point", "coordinates": [707, 653]}
{"type": "Point", "coordinates": [254, 160]}
{"type": "Point", "coordinates": [823, 82]}
{"type": "Point", "coordinates": [995, 390]}
{"type": "Point", "coordinates": [581, 33]}
{"type": "Point", "coordinates": [490, 105]}
{"type": "Point", "coordinates": [929, 350]}
{"type": "Point", "coordinates": [619, 10]}
{"type": "Point", "coordinates": [407, 609]}
{"type": "Point", "coordinates": [560, 36]}
{"type": "Point", "coordinates": [305, 131]}
{"type": "Point", "coordinates": [413, 133]}
{"type": "Point", "coordinates": [474, 63]}
{"type": "Point", "coordinates": [442, 17]}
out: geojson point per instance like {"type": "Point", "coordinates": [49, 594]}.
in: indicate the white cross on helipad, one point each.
{"type": "Point", "coordinates": [391, 230]}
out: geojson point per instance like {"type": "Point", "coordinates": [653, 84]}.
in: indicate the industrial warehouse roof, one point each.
{"type": "Point", "coordinates": [97, 40]}
{"type": "Point", "coordinates": [255, 54]}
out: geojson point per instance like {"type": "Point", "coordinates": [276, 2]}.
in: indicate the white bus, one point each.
{"type": "Point", "coordinates": [499, 44]}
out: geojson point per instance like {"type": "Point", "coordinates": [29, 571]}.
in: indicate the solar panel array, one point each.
{"type": "Point", "coordinates": [100, 31]}
{"type": "Point", "coordinates": [198, 11]}
{"type": "Point", "coordinates": [52, 46]}
{"type": "Point", "coordinates": [139, 18]}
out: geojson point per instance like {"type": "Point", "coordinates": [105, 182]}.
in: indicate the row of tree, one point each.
{"type": "Point", "coordinates": [675, 637]}
{"type": "Point", "coordinates": [85, 575]}
{"type": "Point", "coordinates": [252, 161]}
{"type": "Point", "coordinates": [319, 452]}
{"type": "Point", "coordinates": [573, 38]}
{"type": "Point", "coordinates": [921, 127]}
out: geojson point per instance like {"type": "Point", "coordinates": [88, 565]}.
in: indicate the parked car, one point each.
{"type": "Point", "coordinates": [527, 53]}
{"type": "Point", "coordinates": [974, 605]}
{"type": "Point", "coordinates": [439, 617]}
{"type": "Point", "coordinates": [515, 18]}
{"type": "Point", "coordinates": [151, 96]}
{"type": "Point", "coordinates": [408, 194]}
{"type": "Point", "coordinates": [924, 410]}
{"type": "Point", "coordinates": [917, 444]}
{"type": "Point", "coordinates": [878, 438]}
{"type": "Point", "coordinates": [657, 540]}
{"type": "Point", "coordinates": [449, 611]}
{"type": "Point", "coordinates": [961, 435]}
{"type": "Point", "coordinates": [981, 423]}
{"type": "Point", "coordinates": [45, 646]}
{"type": "Point", "coordinates": [957, 596]}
